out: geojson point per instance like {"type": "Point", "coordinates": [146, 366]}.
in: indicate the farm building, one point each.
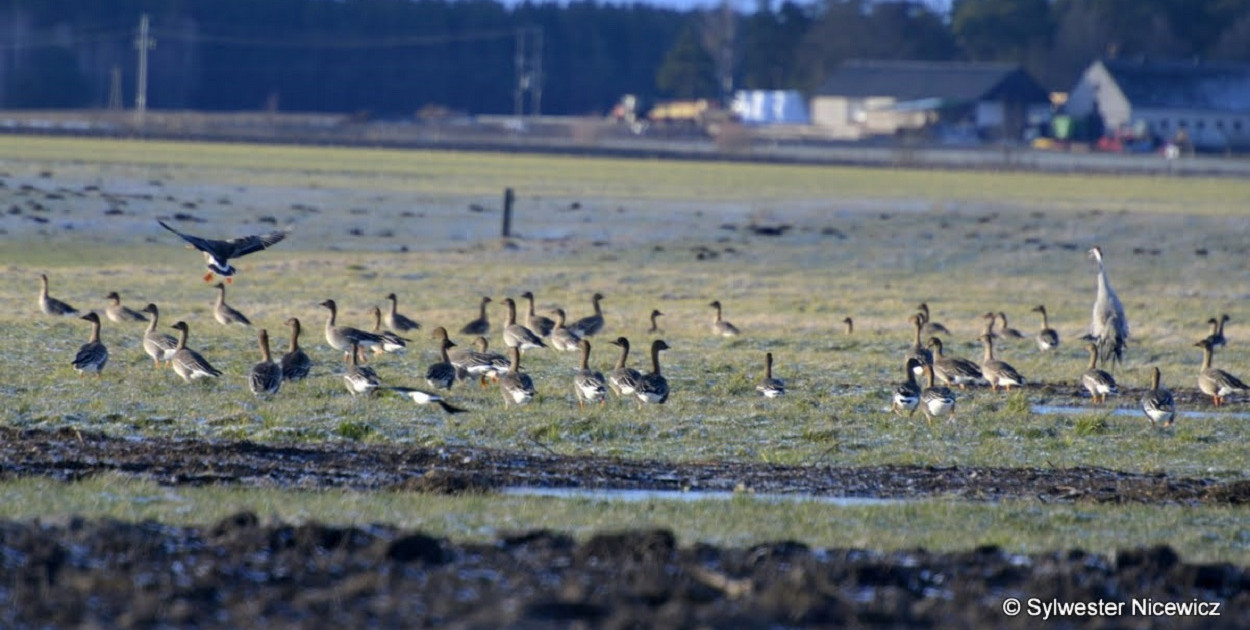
{"type": "Point", "coordinates": [987, 101]}
{"type": "Point", "coordinates": [1208, 104]}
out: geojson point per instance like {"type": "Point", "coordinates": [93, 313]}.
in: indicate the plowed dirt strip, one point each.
{"type": "Point", "coordinates": [62, 455]}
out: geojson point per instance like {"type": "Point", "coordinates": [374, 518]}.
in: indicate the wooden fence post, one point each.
{"type": "Point", "coordinates": [508, 198]}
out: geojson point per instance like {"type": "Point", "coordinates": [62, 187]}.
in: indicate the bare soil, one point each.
{"type": "Point", "coordinates": [242, 573]}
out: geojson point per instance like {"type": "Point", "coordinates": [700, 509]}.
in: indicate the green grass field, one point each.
{"type": "Point", "coordinates": [870, 244]}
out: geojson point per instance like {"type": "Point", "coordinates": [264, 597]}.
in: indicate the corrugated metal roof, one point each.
{"type": "Point", "coordinates": [1178, 85]}
{"type": "Point", "coordinates": [916, 80]}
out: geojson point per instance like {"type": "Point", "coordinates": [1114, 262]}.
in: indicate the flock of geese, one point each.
{"type": "Point", "coordinates": [1106, 341]}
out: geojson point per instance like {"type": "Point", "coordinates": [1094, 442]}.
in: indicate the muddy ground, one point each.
{"type": "Point", "coordinates": [242, 573]}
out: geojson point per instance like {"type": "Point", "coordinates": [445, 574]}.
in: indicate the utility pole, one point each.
{"type": "Point", "coordinates": [536, 69]}
{"type": "Point", "coordinates": [115, 88]}
{"type": "Point", "coordinates": [143, 43]}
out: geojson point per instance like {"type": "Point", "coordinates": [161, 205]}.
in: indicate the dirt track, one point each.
{"type": "Point", "coordinates": [61, 455]}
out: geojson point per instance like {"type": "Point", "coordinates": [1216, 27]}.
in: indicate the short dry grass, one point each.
{"type": "Point", "coordinates": [870, 244]}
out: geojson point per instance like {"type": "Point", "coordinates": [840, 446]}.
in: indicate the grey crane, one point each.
{"type": "Point", "coordinates": [1109, 327]}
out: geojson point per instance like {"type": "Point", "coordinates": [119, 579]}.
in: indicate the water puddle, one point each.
{"type": "Point", "coordinates": [632, 496]}
{"type": "Point", "coordinates": [1134, 412]}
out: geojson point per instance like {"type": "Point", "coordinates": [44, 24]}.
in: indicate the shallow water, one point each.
{"type": "Point", "coordinates": [692, 495]}
{"type": "Point", "coordinates": [1135, 412]}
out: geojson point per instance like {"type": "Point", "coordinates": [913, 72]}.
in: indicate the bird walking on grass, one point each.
{"type": "Point", "coordinates": [295, 363]}
{"type": "Point", "coordinates": [588, 384]}
{"type": "Point", "coordinates": [906, 396]}
{"type": "Point", "coordinates": [1215, 382]}
{"type": "Point", "coordinates": [50, 305]}
{"type": "Point", "coordinates": [1047, 338]}
{"type": "Point", "coordinates": [516, 386]}
{"type": "Point", "coordinates": [93, 355]}
{"type": "Point", "coordinates": [653, 387]}
{"type": "Point", "coordinates": [936, 401]}
{"type": "Point", "coordinates": [188, 363]}
{"type": "Point", "coordinates": [225, 314]}
{"type": "Point", "coordinates": [158, 345]}
{"type": "Point", "coordinates": [360, 379]}
{"type": "Point", "coordinates": [623, 379]}
{"type": "Point", "coordinates": [999, 373]}
{"type": "Point", "coordinates": [1099, 383]}
{"type": "Point", "coordinates": [590, 325]}
{"type": "Point", "coordinates": [217, 253]}
{"type": "Point", "coordinates": [397, 321]}
{"type": "Point", "coordinates": [768, 386]}
{"type": "Point", "coordinates": [721, 326]}
{"type": "Point", "coordinates": [1158, 403]}
{"type": "Point", "coordinates": [120, 313]}
{"type": "Point", "coordinates": [265, 378]}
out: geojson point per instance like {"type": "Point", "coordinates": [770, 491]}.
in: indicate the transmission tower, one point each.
{"type": "Point", "coordinates": [529, 70]}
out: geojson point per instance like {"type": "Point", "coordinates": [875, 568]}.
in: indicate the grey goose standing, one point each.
{"type": "Point", "coordinates": [360, 379]}
{"type": "Point", "coordinates": [442, 375]}
{"type": "Point", "coordinates": [397, 321]}
{"type": "Point", "coordinates": [265, 378]}
{"type": "Point", "coordinates": [345, 337]}
{"type": "Point", "coordinates": [1217, 331]}
{"type": "Point", "coordinates": [481, 325]}
{"type": "Point", "coordinates": [224, 313]}
{"type": "Point", "coordinates": [516, 335]}
{"type": "Point", "coordinates": [516, 386]}
{"type": "Point", "coordinates": [956, 371]}
{"type": "Point", "coordinates": [655, 326]}
{"type": "Point", "coordinates": [768, 386]}
{"type": "Point", "coordinates": [936, 401]}
{"type": "Point", "coordinates": [653, 387]}
{"type": "Point", "coordinates": [1047, 337]}
{"type": "Point", "coordinates": [1158, 403]}
{"type": "Point", "coordinates": [590, 325]}
{"type": "Point", "coordinates": [120, 313]}
{"type": "Point", "coordinates": [50, 305]}
{"type": "Point", "coordinates": [1215, 382]}
{"type": "Point", "coordinates": [295, 363]}
{"type": "Point", "coordinates": [999, 373]}
{"type": "Point", "coordinates": [721, 326]}
{"type": "Point", "coordinates": [588, 384]}
{"type": "Point", "coordinates": [391, 342]}
{"type": "Point", "coordinates": [623, 379]}
{"type": "Point", "coordinates": [93, 355]}
{"type": "Point", "coordinates": [906, 396]}
{"type": "Point", "coordinates": [158, 345]}
{"type": "Point", "coordinates": [537, 324]}
{"type": "Point", "coordinates": [1097, 382]}
{"type": "Point", "coordinates": [188, 363]}
{"type": "Point", "coordinates": [562, 338]}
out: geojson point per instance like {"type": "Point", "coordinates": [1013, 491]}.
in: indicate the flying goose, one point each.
{"type": "Point", "coordinates": [956, 371]}
{"type": "Point", "coordinates": [50, 305]}
{"type": "Point", "coordinates": [481, 325]}
{"type": "Point", "coordinates": [516, 386]}
{"type": "Point", "coordinates": [1158, 403]}
{"type": "Point", "coordinates": [537, 324]}
{"type": "Point", "coordinates": [588, 384]}
{"type": "Point", "coordinates": [931, 328]}
{"type": "Point", "coordinates": [1008, 331]}
{"type": "Point", "coordinates": [395, 320]}
{"type": "Point", "coordinates": [590, 325]}
{"type": "Point", "coordinates": [655, 326]}
{"type": "Point", "coordinates": [295, 363]}
{"type": "Point", "coordinates": [1216, 337]}
{"type": "Point", "coordinates": [768, 386]}
{"type": "Point", "coordinates": [719, 325]}
{"type": "Point", "coordinates": [217, 254]}
{"type": "Point", "coordinates": [623, 380]}
{"type": "Point", "coordinates": [1047, 338]}
{"type": "Point", "coordinates": [998, 373]}
{"type": "Point", "coordinates": [345, 337]}
{"type": "Point", "coordinates": [906, 396]}
{"type": "Point", "coordinates": [119, 313]}
{"type": "Point", "coordinates": [223, 313]}
{"type": "Point", "coordinates": [158, 345]}
{"type": "Point", "coordinates": [265, 378]}
{"type": "Point", "coordinates": [391, 342]}
{"type": "Point", "coordinates": [1215, 382]}
{"type": "Point", "coordinates": [561, 337]}
{"type": "Point", "coordinates": [360, 379]}
{"type": "Point", "coordinates": [935, 401]}
{"type": "Point", "coordinates": [1109, 326]}
{"type": "Point", "coordinates": [516, 335]}
{"type": "Point", "coordinates": [188, 363]}
{"type": "Point", "coordinates": [441, 375]}
{"type": "Point", "coordinates": [1098, 382]}
{"type": "Point", "coordinates": [93, 355]}
{"type": "Point", "coordinates": [653, 387]}
{"type": "Point", "coordinates": [421, 397]}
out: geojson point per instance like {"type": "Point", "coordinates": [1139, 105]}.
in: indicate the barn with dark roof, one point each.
{"type": "Point", "coordinates": [989, 100]}
{"type": "Point", "coordinates": [1206, 104]}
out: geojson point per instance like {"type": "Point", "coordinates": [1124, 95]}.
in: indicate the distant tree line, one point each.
{"type": "Point", "coordinates": [399, 57]}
